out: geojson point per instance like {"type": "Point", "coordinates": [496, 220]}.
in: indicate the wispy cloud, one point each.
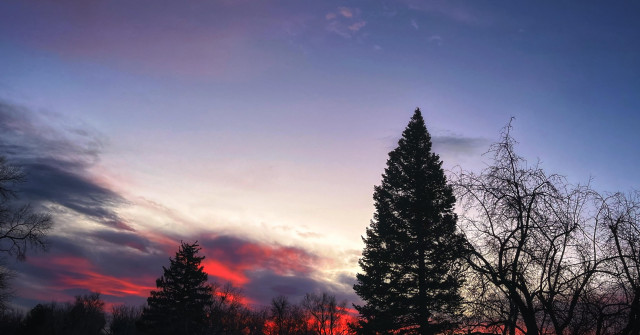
{"type": "Point", "coordinates": [143, 38]}
{"type": "Point", "coordinates": [57, 163]}
{"type": "Point", "coordinates": [435, 39]}
{"type": "Point", "coordinates": [346, 23]}
{"type": "Point", "coordinates": [345, 11]}
{"type": "Point", "coordinates": [357, 26]}
{"type": "Point", "coordinates": [461, 12]}
{"type": "Point", "coordinates": [451, 144]}
{"type": "Point", "coordinates": [458, 145]}
{"type": "Point", "coordinates": [414, 24]}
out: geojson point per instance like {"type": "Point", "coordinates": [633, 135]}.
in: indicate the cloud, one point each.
{"type": "Point", "coordinates": [357, 26]}
{"type": "Point", "coordinates": [451, 144]}
{"type": "Point", "coordinates": [142, 37]}
{"type": "Point", "coordinates": [82, 263]}
{"type": "Point", "coordinates": [123, 267]}
{"type": "Point", "coordinates": [346, 12]}
{"type": "Point", "coordinates": [57, 164]}
{"type": "Point", "coordinates": [339, 28]}
{"type": "Point", "coordinates": [76, 272]}
{"type": "Point", "coordinates": [122, 239]}
{"type": "Point", "coordinates": [414, 24]}
{"type": "Point", "coordinates": [347, 24]}
{"type": "Point", "coordinates": [235, 257]}
{"type": "Point", "coordinates": [435, 39]}
{"type": "Point", "coordinates": [460, 12]}
{"type": "Point", "coordinates": [457, 145]}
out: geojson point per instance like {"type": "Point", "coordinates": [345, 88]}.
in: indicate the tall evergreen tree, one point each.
{"type": "Point", "coordinates": [410, 281]}
{"type": "Point", "coordinates": [179, 304]}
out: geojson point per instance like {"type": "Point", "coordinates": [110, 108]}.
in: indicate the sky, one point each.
{"type": "Point", "coordinates": [259, 128]}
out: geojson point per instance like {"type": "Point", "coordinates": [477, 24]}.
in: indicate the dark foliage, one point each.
{"type": "Point", "coordinates": [179, 305]}
{"type": "Point", "coordinates": [123, 320]}
{"type": "Point", "coordinates": [10, 321]}
{"type": "Point", "coordinates": [84, 317]}
{"type": "Point", "coordinates": [411, 260]}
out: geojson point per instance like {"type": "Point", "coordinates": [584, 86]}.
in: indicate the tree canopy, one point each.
{"type": "Point", "coordinates": [179, 305]}
{"type": "Point", "coordinates": [410, 280]}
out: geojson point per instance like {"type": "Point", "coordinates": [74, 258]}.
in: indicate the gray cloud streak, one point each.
{"type": "Point", "coordinates": [56, 163]}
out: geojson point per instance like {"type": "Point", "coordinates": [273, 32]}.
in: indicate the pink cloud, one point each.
{"type": "Point", "coordinates": [345, 11]}
{"type": "Point", "coordinates": [357, 26]}
{"type": "Point", "coordinates": [72, 272]}
{"type": "Point", "coordinates": [145, 37]}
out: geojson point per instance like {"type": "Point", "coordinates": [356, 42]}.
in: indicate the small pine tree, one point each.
{"type": "Point", "coordinates": [179, 305]}
{"type": "Point", "coordinates": [409, 283]}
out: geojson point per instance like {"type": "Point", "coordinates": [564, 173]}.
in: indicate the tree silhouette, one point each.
{"type": "Point", "coordinates": [123, 320]}
{"type": "Point", "coordinates": [620, 216]}
{"type": "Point", "coordinates": [179, 305]}
{"type": "Point", "coordinates": [83, 317]}
{"type": "Point", "coordinates": [286, 318]}
{"type": "Point", "coordinates": [86, 316]}
{"type": "Point", "coordinates": [326, 314]}
{"type": "Point", "coordinates": [228, 315]}
{"type": "Point", "coordinates": [20, 227]}
{"type": "Point", "coordinates": [410, 281]}
{"type": "Point", "coordinates": [534, 244]}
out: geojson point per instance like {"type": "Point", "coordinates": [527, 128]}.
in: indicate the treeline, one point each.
{"type": "Point", "coordinates": [315, 314]}
{"type": "Point", "coordinates": [177, 308]}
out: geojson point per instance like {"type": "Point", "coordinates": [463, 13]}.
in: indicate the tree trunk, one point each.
{"type": "Point", "coordinates": [423, 318]}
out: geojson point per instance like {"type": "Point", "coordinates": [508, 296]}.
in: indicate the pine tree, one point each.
{"type": "Point", "coordinates": [410, 283]}
{"type": "Point", "coordinates": [179, 304]}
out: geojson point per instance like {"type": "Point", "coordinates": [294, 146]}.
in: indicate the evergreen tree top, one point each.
{"type": "Point", "coordinates": [415, 136]}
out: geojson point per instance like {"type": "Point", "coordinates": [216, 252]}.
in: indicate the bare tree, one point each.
{"type": "Point", "coordinates": [227, 314]}
{"type": "Point", "coordinates": [123, 319]}
{"type": "Point", "coordinates": [600, 310]}
{"type": "Point", "coordinates": [19, 227]}
{"type": "Point", "coordinates": [325, 312]}
{"type": "Point", "coordinates": [621, 216]}
{"type": "Point", "coordinates": [532, 238]}
{"type": "Point", "coordinates": [286, 318]}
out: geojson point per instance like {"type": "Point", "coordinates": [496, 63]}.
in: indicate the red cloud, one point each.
{"type": "Point", "coordinates": [244, 264]}
{"type": "Point", "coordinates": [77, 272]}
{"type": "Point", "coordinates": [219, 270]}
{"type": "Point", "coordinates": [230, 259]}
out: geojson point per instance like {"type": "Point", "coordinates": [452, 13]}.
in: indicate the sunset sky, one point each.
{"type": "Point", "coordinates": [259, 128]}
